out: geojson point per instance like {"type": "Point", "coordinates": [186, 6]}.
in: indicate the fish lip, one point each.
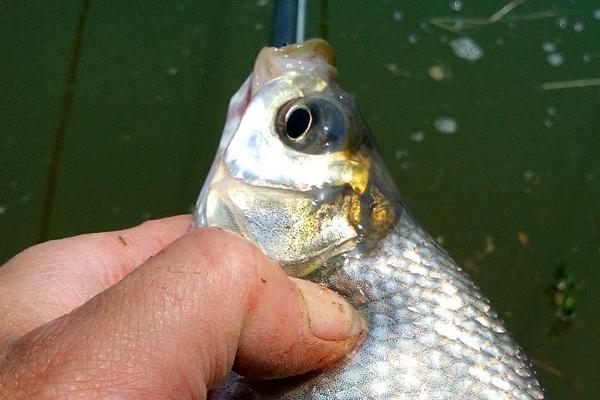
{"type": "Point", "coordinates": [314, 56]}
{"type": "Point", "coordinates": [310, 49]}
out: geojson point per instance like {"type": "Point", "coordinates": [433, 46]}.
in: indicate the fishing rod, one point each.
{"type": "Point", "coordinates": [289, 22]}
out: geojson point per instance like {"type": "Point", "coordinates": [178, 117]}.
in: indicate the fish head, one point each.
{"type": "Point", "coordinates": [297, 171]}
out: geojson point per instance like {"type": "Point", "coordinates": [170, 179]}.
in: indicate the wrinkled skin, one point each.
{"type": "Point", "coordinates": [298, 174]}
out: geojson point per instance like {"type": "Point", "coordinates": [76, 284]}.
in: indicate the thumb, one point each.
{"type": "Point", "coordinates": [177, 324]}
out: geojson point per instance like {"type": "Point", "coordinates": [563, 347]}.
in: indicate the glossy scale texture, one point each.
{"type": "Point", "coordinates": [432, 335]}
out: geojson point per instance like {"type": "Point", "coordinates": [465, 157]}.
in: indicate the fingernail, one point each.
{"type": "Point", "coordinates": [331, 317]}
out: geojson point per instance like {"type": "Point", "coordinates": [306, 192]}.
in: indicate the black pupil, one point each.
{"type": "Point", "coordinates": [297, 123]}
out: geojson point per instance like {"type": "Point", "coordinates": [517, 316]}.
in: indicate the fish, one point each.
{"type": "Point", "coordinates": [298, 173]}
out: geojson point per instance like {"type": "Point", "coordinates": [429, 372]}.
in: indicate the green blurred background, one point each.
{"type": "Point", "coordinates": [110, 113]}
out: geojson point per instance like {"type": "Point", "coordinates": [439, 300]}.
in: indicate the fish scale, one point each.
{"type": "Point", "coordinates": [432, 334]}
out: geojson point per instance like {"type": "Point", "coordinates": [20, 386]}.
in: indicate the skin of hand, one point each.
{"type": "Point", "coordinates": [159, 312]}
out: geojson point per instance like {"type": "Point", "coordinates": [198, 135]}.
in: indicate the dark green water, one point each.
{"type": "Point", "coordinates": [512, 186]}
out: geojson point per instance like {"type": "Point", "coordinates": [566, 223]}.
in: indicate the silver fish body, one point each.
{"type": "Point", "coordinates": [432, 334]}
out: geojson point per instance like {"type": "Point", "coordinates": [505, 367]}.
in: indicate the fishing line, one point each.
{"type": "Point", "coordinates": [289, 22]}
{"type": "Point", "coordinates": [301, 21]}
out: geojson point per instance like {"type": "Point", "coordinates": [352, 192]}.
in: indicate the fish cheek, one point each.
{"type": "Point", "coordinates": [290, 227]}
{"type": "Point", "coordinates": [296, 231]}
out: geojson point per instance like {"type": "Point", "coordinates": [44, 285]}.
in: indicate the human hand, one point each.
{"type": "Point", "coordinates": [119, 315]}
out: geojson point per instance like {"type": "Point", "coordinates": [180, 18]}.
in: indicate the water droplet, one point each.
{"type": "Point", "coordinates": [393, 68]}
{"type": "Point", "coordinates": [587, 57]}
{"type": "Point", "coordinates": [578, 26]}
{"type": "Point", "coordinates": [466, 48]}
{"type": "Point", "coordinates": [562, 22]}
{"type": "Point", "coordinates": [531, 177]}
{"type": "Point", "coordinates": [397, 15]}
{"type": "Point", "coordinates": [438, 72]}
{"type": "Point", "coordinates": [597, 14]}
{"type": "Point", "coordinates": [446, 125]}
{"type": "Point", "coordinates": [412, 38]}
{"type": "Point", "coordinates": [172, 71]}
{"type": "Point", "coordinates": [400, 154]}
{"type": "Point", "coordinates": [551, 111]}
{"type": "Point", "coordinates": [500, 41]}
{"type": "Point", "coordinates": [555, 59]}
{"type": "Point", "coordinates": [425, 27]}
{"type": "Point", "coordinates": [417, 136]}
{"type": "Point", "coordinates": [548, 122]}
{"type": "Point", "coordinates": [262, 3]}
{"type": "Point", "coordinates": [2, 210]}
{"type": "Point", "coordinates": [258, 26]}
{"type": "Point", "coordinates": [456, 5]}
{"type": "Point", "coordinates": [549, 47]}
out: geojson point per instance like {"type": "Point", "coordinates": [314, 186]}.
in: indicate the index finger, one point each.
{"type": "Point", "coordinates": [50, 279]}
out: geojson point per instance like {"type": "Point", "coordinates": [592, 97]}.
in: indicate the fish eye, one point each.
{"type": "Point", "coordinates": [298, 121]}
{"type": "Point", "coordinates": [312, 125]}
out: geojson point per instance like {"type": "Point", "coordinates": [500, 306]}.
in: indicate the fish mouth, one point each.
{"type": "Point", "coordinates": [314, 56]}
{"type": "Point", "coordinates": [310, 49]}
